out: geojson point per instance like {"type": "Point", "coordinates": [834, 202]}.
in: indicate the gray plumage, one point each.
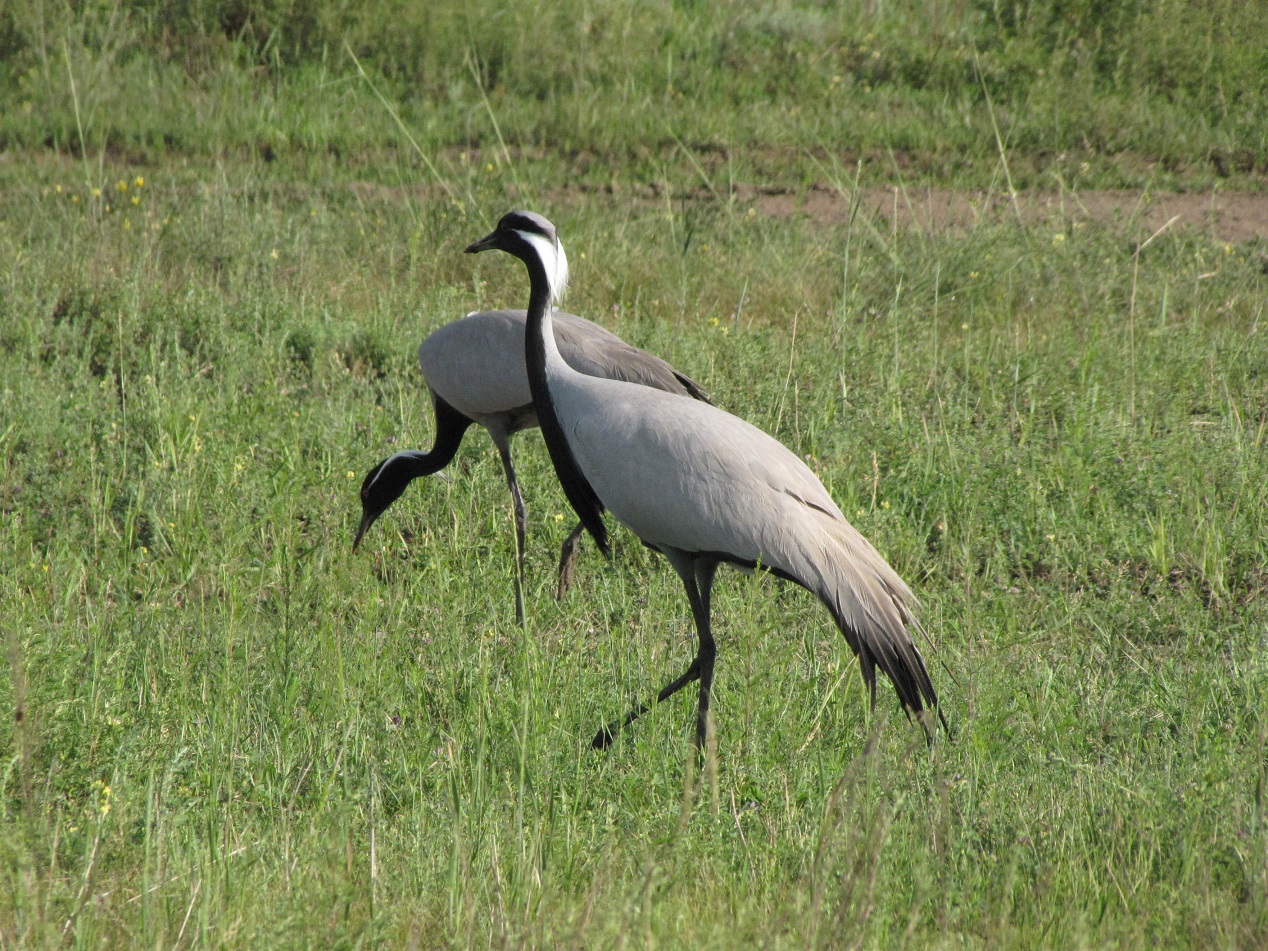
{"type": "Point", "coordinates": [474, 369]}
{"type": "Point", "coordinates": [476, 365]}
{"type": "Point", "coordinates": [704, 487]}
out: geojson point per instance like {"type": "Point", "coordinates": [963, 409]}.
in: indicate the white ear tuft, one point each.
{"type": "Point", "coordinates": [554, 261]}
{"type": "Point", "coordinates": [560, 284]}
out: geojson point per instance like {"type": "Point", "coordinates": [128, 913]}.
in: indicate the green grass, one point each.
{"type": "Point", "coordinates": [188, 418]}
{"type": "Point", "coordinates": [1165, 91]}
{"type": "Point", "coordinates": [236, 733]}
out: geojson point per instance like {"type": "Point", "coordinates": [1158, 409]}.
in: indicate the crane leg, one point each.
{"type": "Point", "coordinates": [521, 520]}
{"type": "Point", "coordinates": [603, 739]}
{"type": "Point", "coordinates": [704, 570]}
{"type": "Point", "coordinates": [567, 555]}
{"type": "Point", "coordinates": [699, 593]}
{"type": "Point", "coordinates": [697, 577]}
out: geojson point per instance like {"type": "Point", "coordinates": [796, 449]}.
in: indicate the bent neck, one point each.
{"type": "Point", "coordinates": [450, 427]}
{"type": "Point", "coordinates": [414, 464]}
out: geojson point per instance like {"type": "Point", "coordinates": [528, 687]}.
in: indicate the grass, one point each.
{"type": "Point", "coordinates": [234, 733]}
{"type": "Point", "coordinates": [1161, 92]}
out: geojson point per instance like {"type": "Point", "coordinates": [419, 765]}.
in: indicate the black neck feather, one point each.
{"type": "Point", "coordinates": [450, 428]}
{"type": "Point", "coordinates": [580, 493]}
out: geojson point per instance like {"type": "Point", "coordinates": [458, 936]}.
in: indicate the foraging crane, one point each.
{"type": "Point", "coordinates": [703, 487]}
{"type": "Point", "coordinates": [474, 368]}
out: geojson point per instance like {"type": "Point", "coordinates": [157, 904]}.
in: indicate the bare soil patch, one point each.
{"type": "Point", "coordinates": [1223, 216]}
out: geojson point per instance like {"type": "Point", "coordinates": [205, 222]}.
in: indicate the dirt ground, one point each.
{"type": "Point", "coordinates": [1225, 216]}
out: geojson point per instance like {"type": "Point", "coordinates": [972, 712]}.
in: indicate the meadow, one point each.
{"type": "Point", "coordinates": [224, 229]}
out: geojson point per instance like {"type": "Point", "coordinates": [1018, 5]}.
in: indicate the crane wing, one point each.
{"type": "Point", "coordinates": [596, 351]}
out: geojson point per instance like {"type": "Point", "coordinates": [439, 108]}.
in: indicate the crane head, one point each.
{"type": "Point", "coordinates": [382, 486]}
{"type": "Point", "coordinates": [529, 237]}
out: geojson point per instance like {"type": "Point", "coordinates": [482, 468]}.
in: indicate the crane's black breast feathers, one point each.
{"type": "Point", "coordinates": [580, 493]}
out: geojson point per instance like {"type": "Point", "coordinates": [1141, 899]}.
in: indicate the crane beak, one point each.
{"type": "Point", "coordinates": [488, 242]}
{"type": "Point", "coordinates": [367, 519]}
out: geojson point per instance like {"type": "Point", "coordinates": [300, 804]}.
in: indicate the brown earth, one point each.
{"type": "Point", "coordinates": [1224, 216]}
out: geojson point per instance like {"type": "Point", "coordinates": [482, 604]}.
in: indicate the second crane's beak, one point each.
{"type": "Point", "coordinates": [367, 519]}
{"type": "Point", "coordinates": [488, 242]}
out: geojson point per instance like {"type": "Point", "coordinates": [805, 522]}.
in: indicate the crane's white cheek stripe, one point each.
{"type": "Point", "coordinates": [553, 260]}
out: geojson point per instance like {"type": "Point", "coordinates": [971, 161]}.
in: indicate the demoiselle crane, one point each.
{"type": "Point", "coordinates": [704, 487]}
{"type": "Point", "coordinates": [474, 369]}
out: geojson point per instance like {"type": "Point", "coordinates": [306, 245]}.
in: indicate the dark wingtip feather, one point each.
{"type": "Point", "coordinates": [694, 389]}
{"type": "Point", "coordinates": [901, 663]}
{"type": "Point", "coordinates": [599, 532]}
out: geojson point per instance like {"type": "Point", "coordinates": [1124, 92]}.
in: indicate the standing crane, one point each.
{"type": "Point", "coordinates": [704, 488]}
{"type": "Point", "coordinates": [474, 369]}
